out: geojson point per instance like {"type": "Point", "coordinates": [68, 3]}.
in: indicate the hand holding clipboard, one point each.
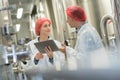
{"type": "Point", "coordinates": [49, 43]}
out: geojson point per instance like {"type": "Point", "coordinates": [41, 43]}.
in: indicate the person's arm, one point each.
{"type": "Point", "coordinates": [63, 50]}
{"type": "Point", "coordinates": [37, 57]}
{"type": "Point", "coordinates": [86, 43]}
{"type": "Point", "coordinates": [69, 51]}
{"type": "Point", "coordinates": [35, 54]}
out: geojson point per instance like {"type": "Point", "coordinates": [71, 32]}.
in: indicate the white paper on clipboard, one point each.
{"type": "Point", "coordinates": [41, 45]}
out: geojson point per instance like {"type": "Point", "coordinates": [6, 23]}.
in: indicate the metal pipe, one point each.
{"type": "Point", "coordinates": [103, 24]}
{"type": "Point", "coordinates": [12, 57]}
{"type": "Point", "coordinates": [116, 7]}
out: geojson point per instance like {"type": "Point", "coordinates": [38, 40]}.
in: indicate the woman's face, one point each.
{"type": "Point", "coordinates": [45, 29]}
{"type": "Point", "coordinates": [71, 22]}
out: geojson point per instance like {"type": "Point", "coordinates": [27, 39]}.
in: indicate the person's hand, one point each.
{"type": "Point", "coordinates": [49, 52]}
{"type": "Point", "coordinates": [63, 48]}
{"type": "Point", "coordinates": [38, 56]}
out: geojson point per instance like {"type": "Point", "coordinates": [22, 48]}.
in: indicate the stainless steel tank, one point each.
{"type": "Point", "coordinates": [95, 10]}
{"type": "Point", "coordinates": [99, 14]}
{"type": "Point", "coordinates": [116, 11]}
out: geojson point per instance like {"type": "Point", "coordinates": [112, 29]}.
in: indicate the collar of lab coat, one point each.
{"type": "Point", "coordinates": [49, 38]}
{"type": "Point", "coordinates": [81, 27]}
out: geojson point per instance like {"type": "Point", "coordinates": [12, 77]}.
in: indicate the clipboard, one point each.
{"type": "Point", "coordinates": [41, 45]}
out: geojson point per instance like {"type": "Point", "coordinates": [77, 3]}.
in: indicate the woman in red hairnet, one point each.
{"type": "Point", "coordinates": [88, 39]}
{"type": "Point", "coordinates": [42, 30]}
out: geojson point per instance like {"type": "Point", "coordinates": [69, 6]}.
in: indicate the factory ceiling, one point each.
{"type": "Point", "coordinates": [27, 6]}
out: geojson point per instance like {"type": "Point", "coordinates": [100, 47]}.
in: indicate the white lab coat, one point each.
{"type": "Point", "coordinates": [88, 41]}
{"type": "Point", "coordinates": [57, 55]}
{"type": "Point", "coordinates": [43, 64]}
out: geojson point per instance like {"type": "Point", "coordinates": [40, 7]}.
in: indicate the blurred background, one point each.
{"type": "Point", "coordinates": [17, 23]}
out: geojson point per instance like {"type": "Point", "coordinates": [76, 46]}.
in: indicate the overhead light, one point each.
{"type": "Point", "coordinates": [41, 7]}
{"type": "Point", "coordinates": [41, 15]}
{"type": "Point", "coordinates": [33, 24]}
{"type": "Point", "coordinates": [5, 17]}
{"type": "Point", "coordinates": [19, 13]}
{"type": "Point", "coordinates": [17, 27]}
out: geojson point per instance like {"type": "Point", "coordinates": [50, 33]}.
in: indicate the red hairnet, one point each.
{"type": "Point", "coordinates": [76, 13]}
{"type": "Point", "coordinates": [39, 23]}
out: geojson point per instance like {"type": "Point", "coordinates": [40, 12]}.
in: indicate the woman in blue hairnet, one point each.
{"type": "Point", "coordinates": [88, 40]}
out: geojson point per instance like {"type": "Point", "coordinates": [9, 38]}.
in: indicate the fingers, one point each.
{"type": "Point", "coordinates": [48, 49]}
{"type": "Point", "coordinates": [63, 44]}
{"type": "Point", "coordinates": [38, 56]}
{"type": "Point", "coordinates": [49, 52]}
{"type": "Point", "coordinates": [63, 48]}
